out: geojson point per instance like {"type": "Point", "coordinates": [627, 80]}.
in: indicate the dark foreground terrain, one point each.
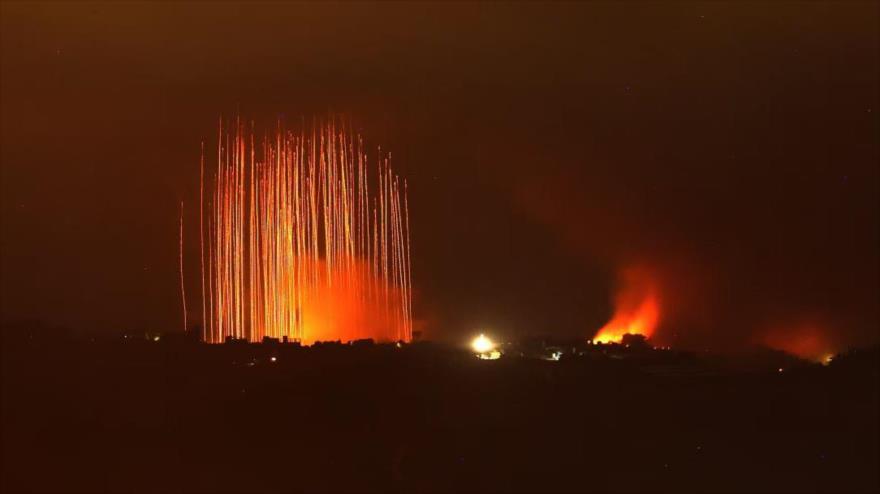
{"type": "Point", "coordinates": [82, 415]}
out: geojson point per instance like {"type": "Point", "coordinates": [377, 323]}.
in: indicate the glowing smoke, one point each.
{"type": "Point", "coordinates": [301, 238]}
{"type": "Point", "coordinates": [807, 339]}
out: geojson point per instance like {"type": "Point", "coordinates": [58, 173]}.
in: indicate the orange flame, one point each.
{"type": "Point", "coordinates": [636, 307]}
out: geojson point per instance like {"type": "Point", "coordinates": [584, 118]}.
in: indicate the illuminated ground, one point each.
{"type": "Point", "coordinates": [162, 416]}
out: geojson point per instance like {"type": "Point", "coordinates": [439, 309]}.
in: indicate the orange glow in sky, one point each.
{"type": "Point", "coordinates": [807, 340]}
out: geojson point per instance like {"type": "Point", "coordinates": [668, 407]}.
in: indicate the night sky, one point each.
{"type": "Point", "coordinates": [728, 149]}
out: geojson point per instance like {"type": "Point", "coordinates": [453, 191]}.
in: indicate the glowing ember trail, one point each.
{"type": "Point", "coordinates": [304, 240]}
{"type": "Point", "coordinates": [182, 289]}
{"type": "Point", "coordinates": [636, 308]}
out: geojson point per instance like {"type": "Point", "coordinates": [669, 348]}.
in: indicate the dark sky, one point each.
{"type": "Point", "coordinates": [729, 148]}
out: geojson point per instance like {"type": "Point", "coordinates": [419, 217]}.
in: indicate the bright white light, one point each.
{"type": "Point", "coordinates": [273, 359]}
{"type": "Point", "coordinates": [481, 344]}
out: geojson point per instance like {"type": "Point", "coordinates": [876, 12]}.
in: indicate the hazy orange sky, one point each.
{"type": "Point", "coordinates": [732, 147]}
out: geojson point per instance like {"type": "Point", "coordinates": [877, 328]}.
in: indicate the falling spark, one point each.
{"type": "Point", "coordinates": [202, 228]}
{"type": "Point", "coordinates": [182, 289]}
{"type": "Point", "coordinates": [300, 244]}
